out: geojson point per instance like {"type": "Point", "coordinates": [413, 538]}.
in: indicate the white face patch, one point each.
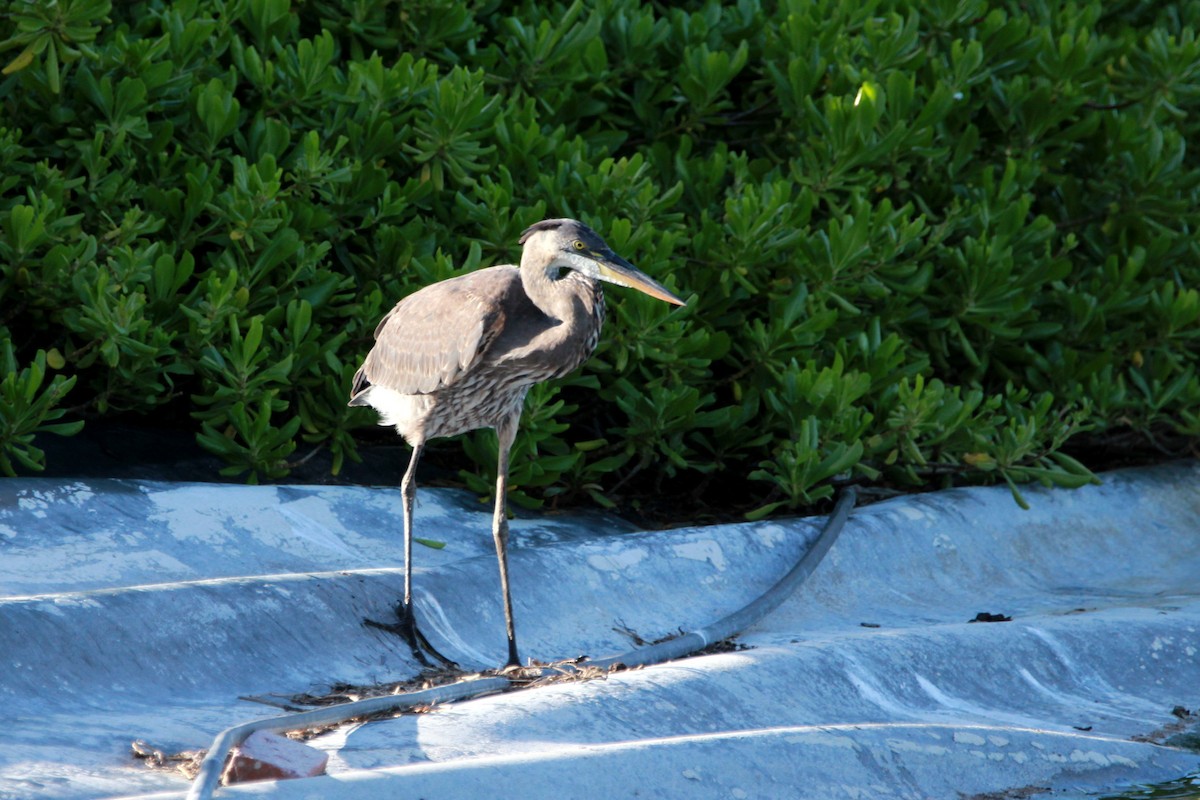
{"type": "Point", "coordinates": [579, 263]}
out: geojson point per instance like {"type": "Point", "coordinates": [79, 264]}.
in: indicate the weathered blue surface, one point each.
{"type": "Point", "coordinates": [144, 610]}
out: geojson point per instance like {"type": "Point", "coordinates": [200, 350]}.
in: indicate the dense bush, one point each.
{"type": "Point", "coordinates": [923, 241]}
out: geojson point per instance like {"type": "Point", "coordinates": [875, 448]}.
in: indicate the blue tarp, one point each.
{"type": "Point", "coordinates": [145, 610]}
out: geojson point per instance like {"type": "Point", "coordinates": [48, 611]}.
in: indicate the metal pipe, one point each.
{"type": "Point", "coordinates": [210, 768]}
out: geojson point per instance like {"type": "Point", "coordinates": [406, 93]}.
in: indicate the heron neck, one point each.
{"type": "Point", "coordinates": [552, 296]}
{"type": "Point", "coordinates": [574, 306]}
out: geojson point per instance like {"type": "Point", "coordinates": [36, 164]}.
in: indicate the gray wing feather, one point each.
{"type": "Point", "coordinates": [436, 335]}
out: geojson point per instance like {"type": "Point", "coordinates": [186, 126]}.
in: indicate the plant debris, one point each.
{"type": "Point", "coordinates": [534, 675]}
{"type": "Point", "coordinates": [1184, 720]}
{"type": "Point", "coordinates": [186, 762]}
{"type": "Point", "coordinates": [730, 645]}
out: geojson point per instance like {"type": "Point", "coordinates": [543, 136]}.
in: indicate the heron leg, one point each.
{"type": "Point", "coordinates": [408, 494]}
{"type": "Point", "coordinates": [406, 626]}
{"type": "Point", "coordinates": [506, 434]}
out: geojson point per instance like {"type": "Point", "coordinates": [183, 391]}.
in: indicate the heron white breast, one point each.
{"type": "Point", "coordinates": [403, 411]}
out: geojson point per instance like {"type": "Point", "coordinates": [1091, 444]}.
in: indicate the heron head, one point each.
{"type": "Point", "coordinates": [556, 243]}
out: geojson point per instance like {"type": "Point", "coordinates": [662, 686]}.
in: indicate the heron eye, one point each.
{"type": "Point", "coordinates": [578, 245]}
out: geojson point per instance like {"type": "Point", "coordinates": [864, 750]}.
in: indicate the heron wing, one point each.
{"type": "Point", "coordinates": [433, 337]}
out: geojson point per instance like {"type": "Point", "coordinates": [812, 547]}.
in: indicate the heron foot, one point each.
{"type": "Point", "coordinates": [514, 660]}
{"type": "Point", "coordinates": [406, 628]}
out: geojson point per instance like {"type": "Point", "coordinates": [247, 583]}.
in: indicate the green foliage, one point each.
{"type": "Point", "coordinates": [922, 242]}
{"type": "Point", "coordinates": [28, 409]}
{"type": "Point", "coordinates": [57, 32]}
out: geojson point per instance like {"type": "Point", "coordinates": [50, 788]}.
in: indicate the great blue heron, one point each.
{"type": "Point", "coordinates": [461, 354]}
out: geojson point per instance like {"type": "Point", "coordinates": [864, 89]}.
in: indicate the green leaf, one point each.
{"type": "Point", "coordinates": [433, 543]}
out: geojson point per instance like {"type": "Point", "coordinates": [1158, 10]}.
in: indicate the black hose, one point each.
{"type": "Point", "coordinates": [748, 615]}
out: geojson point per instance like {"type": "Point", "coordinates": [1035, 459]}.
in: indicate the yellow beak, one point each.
{"type": "Point", "coordinates": [614, 269]}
